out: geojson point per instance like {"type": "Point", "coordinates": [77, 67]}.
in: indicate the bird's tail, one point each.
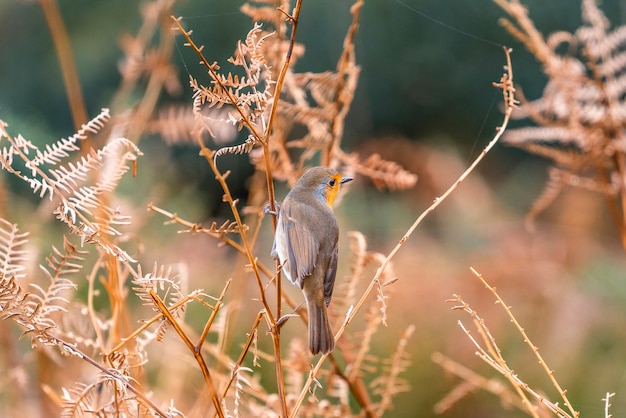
{"type": "Point", "coordinates": [321, 337]}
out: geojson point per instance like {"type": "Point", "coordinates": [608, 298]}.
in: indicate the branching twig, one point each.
{"type": "Point", "coordinates": [343, 66]}
{"type": "Point", "coordinates": [198, 50]}
{"type": "Point", "coordinates": [244, 352]}
{"type": "Point", "coordinates": [607, 405]}
{"type": "Point", "coordinates": [293, 18]}
{"type": "Point", "coordinates": [534, 348]}
{"type": "Point", "coordinates": [493, 356]}
{"type": "Point", "coordinates": [472, 381]}
{"type": "Point", "coordinates": [197, 353]}
{"type": "Point", "coordinates": [275, 331]}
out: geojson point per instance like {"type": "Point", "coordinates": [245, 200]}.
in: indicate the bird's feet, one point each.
{"type": "Point", "coordinates": [268, 211]}
{"type": "Point", "coordinates": [283, 319]}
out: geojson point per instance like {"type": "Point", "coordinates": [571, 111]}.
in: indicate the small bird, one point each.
{"type": "Point", "coordinates": [305, 243]}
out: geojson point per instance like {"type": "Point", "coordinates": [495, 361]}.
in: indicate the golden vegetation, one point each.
{"type": "Point", "coordinates": [109, 356]}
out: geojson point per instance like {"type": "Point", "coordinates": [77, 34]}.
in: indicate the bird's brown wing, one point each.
{"type": "Point", "coordinates": [301, 247]}
{"type": "Point", "coordinates": [329, 278]}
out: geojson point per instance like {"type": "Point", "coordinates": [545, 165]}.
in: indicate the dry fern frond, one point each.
{"type": "Point", "coordinates": [105, 397]}
{"type": "Point", "coordinates": [24, 309]}
{"type": "Point", "coordinates": [62, 264]}
{"type": "Point", "coordinates": [175, 124]}
{"type": "Point", "coordinates": [215, 230]}
{"type": "Point", "coordinates": [274, 16]}
{"type": "Point", "coordinates": [244, 148]}
{"type": "Point", "coordinates": [78, 400]}
{"type": "Point", "coordinates": [50, 300]}
{"type": "Point", "coordinates": [383, 174]}
{"type": "Point", "coordinates": [317, 102]}
{"type": "Point", "coordinates": [389, 383]}
{"type": "Point", "coordinates": [550, 192]}
{"type": "Point", "coordinates": [360, 258]}
{"type": "Point", "coordinates": [267, 11]}
{"type": "Point", "coordinates": [169, 288]}
{"type": "Point", "coordinates": [12, 254]}
{"type": "Point", "coordinates": [141, 57]}
{"type": "Point", "coordinates": [9, 292]}
{"type": "Point", "coordinates": [581, 116]}
{"type": "Point", "coordinates": [80, 206]}
{"type": "Point", "coordinates": [58, 151]}
{"type": "Point", "coordinates": [247, 96]}
{"type": "Point", "coordinates": [358, 353]}
{"type": "Point", "coordinates": [53, 153]}
{"type": "Point", "coordinates": [160, 280]}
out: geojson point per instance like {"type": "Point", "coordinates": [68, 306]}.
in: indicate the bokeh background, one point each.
{"type": "Point", "coordinates": [425, 100]}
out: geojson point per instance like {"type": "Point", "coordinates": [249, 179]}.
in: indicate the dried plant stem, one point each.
{"type": "Point", "coordinates": [110, 372]}
{"type": "Point", "coordinates": [216, 308]}
{"type": "Point", "coordinates": [506, 84]}
{"type": "Point", "coordinates": [221, 178]}
{"type": "Point", "coordinates": [493, 356]}
{"type": "Point", "coordinates": [343, 66]}
{"type": "Point", "coordinates": [157, 78]}
{"type": "Point", "coordinates": [357, 388]}
{"type": "Point", "coordinates": [508, 90]}
{"type": "Point", "coordinates": [293, 18]}
{"type": "Point", "coordinates": [196, 352]}
{"type": "Point", "coordinates": [198, 50]}
{"type": "Point", "coordinates": [113, 282]}
{"type": "Point", "coordinates": [66, 61]}
{"type": "Point", "coordinates": [617, 215]}
{"type": "Point", "coordinates": [607, 404]}
{"type": "Point", "coordinates": [263, 140]}
{"type": "Point", "coordinates": [473, 381]}
{"type": "Point", "coordinates": [527, 33]}
{"type": "Point", "coordinates": [275, 331]}
{"type": "Point", "coordinates": [145, 324]}
{"type": "Point", "coordinates": [396, 367]}
{"type": "Point", "coordinates": [194, 227]}
{"type": "Point", "coordinates": [244, 352]}
{"type": "Point", "coordinates": [494, 352]}
{"type": "Point", "coordinates": [534, 348]}
{"type": "Point", "coordinates": [90, 308]}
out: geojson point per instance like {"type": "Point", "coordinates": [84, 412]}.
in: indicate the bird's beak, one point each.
{"type": "Point", "coordinates": [346, 179]}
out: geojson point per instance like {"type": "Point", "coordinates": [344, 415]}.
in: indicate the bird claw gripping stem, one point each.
{"type": "Point", "coordinates": [268, 211]}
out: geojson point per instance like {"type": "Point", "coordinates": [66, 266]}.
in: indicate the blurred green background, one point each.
{"type": "Point", "coordinates": [427, 69]}
{"type": "Point", "coordinates": [427, 66]}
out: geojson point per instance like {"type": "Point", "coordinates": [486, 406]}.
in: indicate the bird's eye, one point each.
{"type": "Point", "coordinates": [332, 182]}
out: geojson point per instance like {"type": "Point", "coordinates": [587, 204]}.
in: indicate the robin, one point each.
{"type": "Point", "coordinates": [306, 246]}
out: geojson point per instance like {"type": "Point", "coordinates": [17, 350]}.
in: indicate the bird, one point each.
{"type": "Point", "coordinates": [305, 243]}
